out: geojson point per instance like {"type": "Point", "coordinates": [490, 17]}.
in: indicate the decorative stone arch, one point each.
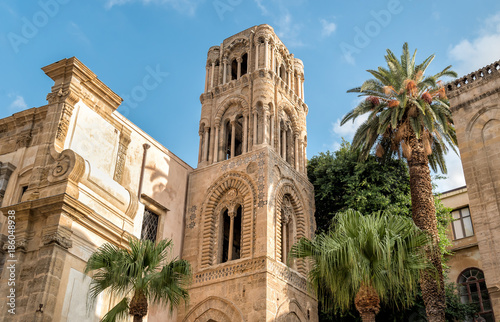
{"type": "Point", "coordinates": [287, 187]}
{"type": "Point", "coordinates": [243, 185]}
{"type": "Point", "coordinates": [291, 310]}
{"type": "Point", "coordinates": [292, 115]}
{"type": "Point", "coordinates": [233, 100]}
{"type": "Point", "coordinates": [204, 123]}
{"type": "Point", "coordinates": [238, 42]}
{"type": "Point", "coordinates": [478, 121]}
{"type": "Point", "coordinates": [215, 308]}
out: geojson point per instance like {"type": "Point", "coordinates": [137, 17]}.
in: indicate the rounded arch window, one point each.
{"type": "Point", "coordinates": [230, 234]}
{"type": "Point", "coordinates": [472, 289]}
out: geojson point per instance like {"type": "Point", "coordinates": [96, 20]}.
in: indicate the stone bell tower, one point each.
{"type": "Point", "coordinates": [250, 199]}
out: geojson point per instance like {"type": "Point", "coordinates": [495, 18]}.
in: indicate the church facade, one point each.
{"type": "Point", "coordinates": [75, 174]}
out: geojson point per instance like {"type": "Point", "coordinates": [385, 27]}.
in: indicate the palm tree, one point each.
{"type": "Point", "coordinates": [366, 260]}
{"type": "Point", "coordinates": [141, 275]}
{"type": "Point", "coordinates": [409, 116]}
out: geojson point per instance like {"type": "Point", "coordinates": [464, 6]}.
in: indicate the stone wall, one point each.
{"type": "Point", "coordinates": [475, 103]}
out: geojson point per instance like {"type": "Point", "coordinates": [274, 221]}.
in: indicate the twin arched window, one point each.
{"type": "Point", "coordinates": [472, 289]}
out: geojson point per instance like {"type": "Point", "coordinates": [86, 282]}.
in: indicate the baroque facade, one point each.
{"type": "Point", "coordinates": [76, 174]}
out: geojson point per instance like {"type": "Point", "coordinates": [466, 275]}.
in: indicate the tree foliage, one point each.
{"type": "Point", "coordinates": [341, 182]}
{"type": "Point", "coordinates": [142, 274]}
{"type": "Point", "coordinates": [366, 260]}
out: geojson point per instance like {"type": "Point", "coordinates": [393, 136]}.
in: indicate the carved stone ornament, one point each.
{"type": "Point", "coordinates": [231, 195]}
{"type": "Point", "coordinates": [56, 238]}
{"type": "Point", "coordinates": [69, 165]}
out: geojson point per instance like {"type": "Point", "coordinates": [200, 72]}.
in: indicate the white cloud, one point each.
{"type": "Point", "coordinates": [472, 54]}
{"type": "Point", "coordinates": [184, 6]}
{"type": "Point", "coordinates": [288, 30]}
{"type": "Point", "coordinates": [263, 9]}
{"type": "Point", "coordinates": [328, 27]}
{"type": "Point", "coordinates": [348, 130]}
{"type": "Point", "coordinates": [18, 104]}
{"type": "Point", "coordinates": [455, 177]}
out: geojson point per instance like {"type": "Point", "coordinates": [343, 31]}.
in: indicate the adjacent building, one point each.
{"type": "Point", "coordinates": [475, 266]}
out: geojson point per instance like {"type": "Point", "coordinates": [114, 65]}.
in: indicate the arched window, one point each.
{"type": "Point", "coordinates": [283, 73]}
{"type": "Point", "coordinates": [227, 141]}
{"type": "Point", "coordinates": [234, 69]}
{"type": "Point", "coordinates": [287, 231]}
{"type": "Point", "coordinates": [472, 289]}
{"type": "Point", "coordinates": [231, 234]}
{"type": "Point", "coordinates": [229, 132]}
{"type": "Point", "coordinates": [244, 64]}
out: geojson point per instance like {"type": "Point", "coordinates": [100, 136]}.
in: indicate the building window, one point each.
{"type": "Point", "coordinates": [472, 289]}
{"type": "Point", "coordinates": [231, 235]}
{"type": "Point", "coordinates": [149, 225]}
{"type": "Point", "coordinates": [462, 223]}
{"type": "Point", "coordinates": [23, 191]}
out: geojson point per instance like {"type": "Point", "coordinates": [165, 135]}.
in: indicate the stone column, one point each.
{"type": "Point", "coordinates": [273, 68]}
{"type": "Point", "coordinates": [239, 60]}
{"type": "Point", "coordinates": [224, 75]}
{"type": "Point", "coordinates": [255, 137]}
{"type": "Point", "coordinates": [266, 49]}
{"type": "Point", "coordinates": [257, 48]}
{"type": "Point", "coordinates": [283, 144]}
{"type": "Point", "coordinates": [264, 132]}
{"type": "Point", "coordinates": [205, 144]}
{"type": "Point", "coordinates": [278, 134]}
{"type": "Point", "coordinates": [213, 76]}
{"type": "Point", "coordinates": [216, 144]}
{"type": "Point", "coordinates": [231, 237]}
{"type": "Point", "coordinates": [284, 248]}
{"type": "Point", "coordinates": [245, 133]}
{"type": "Point", "coordinates": [296, 152]}
{"type": "Point", "coordinates": [290, 75]}
{"type": "Point", "coordinates": [272, 130]}
{"type": "Point", "coordinates": [301, 158]}
{"type": "Point", "coordinates": [302, 85]}
{"type": "Point", "coordinates": [200, 148]}
{"type": "Point", "coordinates": [206, 79]}
{"type": "Point", "coordinates": [233, 137]}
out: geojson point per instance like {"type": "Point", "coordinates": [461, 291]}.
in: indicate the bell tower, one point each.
{"type": "Point", "coordinates": [250, 200]}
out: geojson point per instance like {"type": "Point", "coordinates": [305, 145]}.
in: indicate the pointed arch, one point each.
{"type": "Point", "coordinates": [228, 102]}
{"type": "Point", "coordinates": [292, 115]}
{"type": "Point", "coordinates": [287, 189]}
{"type": "Point", "coordinates": [242, 191]}
{"type": "Point", "coordinates": [215, 308]}
{"type": "Point", "coordinates": [291, 310]}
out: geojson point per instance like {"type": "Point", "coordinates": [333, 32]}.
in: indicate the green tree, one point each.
{"type": "Point", "coordinates": [341, 182]}
{"type": "Point", "coordinates": [139, 275]}
{"type": "Point", "coordinates": [366, 260]}
{"type": "Point", "coordinates": [409, 116]}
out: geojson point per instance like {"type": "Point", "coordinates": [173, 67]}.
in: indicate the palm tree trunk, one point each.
{"type": "Point", "coordinates": [138, 306]}
{"type": "Point", "coordinates": [367, 302]}
{"type": "Point", "coordinates": [424, 216]}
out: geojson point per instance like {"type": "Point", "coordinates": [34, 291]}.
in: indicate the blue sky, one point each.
{"type": "Point", "coordinates": [123, 40]}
